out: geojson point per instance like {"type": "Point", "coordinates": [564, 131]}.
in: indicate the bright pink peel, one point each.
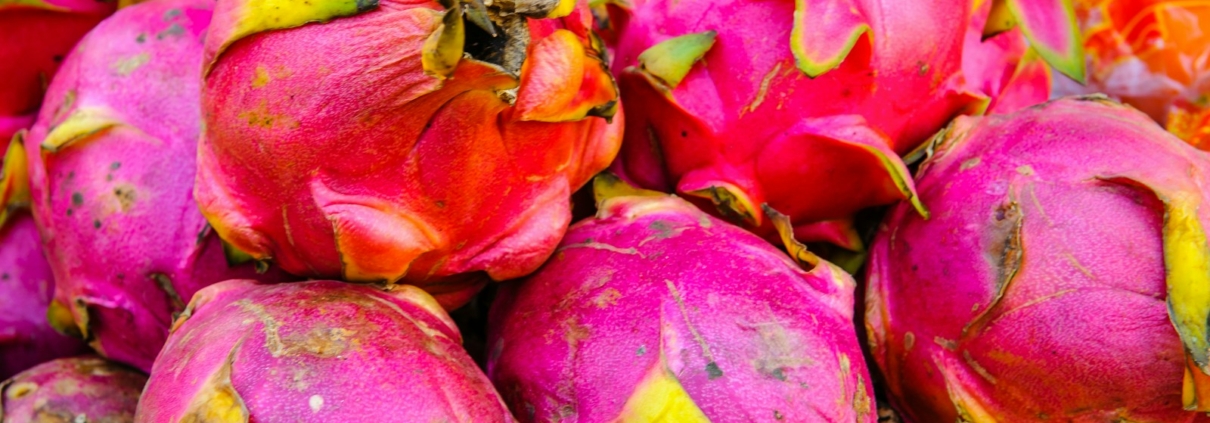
{"type": "Point", "coordinates": [654, 309]}
{"type": "Point", "coordinates": [111, 165]}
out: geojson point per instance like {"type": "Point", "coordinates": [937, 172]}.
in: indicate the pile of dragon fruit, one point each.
{"type": "Point", "coordinates": [923, 211]}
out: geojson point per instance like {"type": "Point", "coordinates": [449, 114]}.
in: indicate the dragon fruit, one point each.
{"type": "Point", "coordinates": [833, 94]}
{"type": "Point", "coordinates": [37, 35]}
{"type": "Point", "coordinates": [111, 165]}
{"type": "Point", "coordinates": [432, 153]}
{"type": "Point", "coordinates": [26, 282]}
{"type": "Point", "coordinates": [1003, 66]}
{"type": "Point", "coordinates": [317, 351]}
{"type": "Point", "coordinates": [26, 287]}
{"type": "Point", "coordinates": [1050, 26]}
{"type": "Point", "coordinates": [79, 389]}
{"type": "Point", "coordinates": [654, 309]}
{"type": "Point", "coordinates": [1062, 277]}
{"type": "Point", "coordinates": [1151, 54]}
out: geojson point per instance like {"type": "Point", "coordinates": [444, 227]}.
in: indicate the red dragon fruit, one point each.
{"type": "Point", "coordinates": [80, 389]}
{"type": "Point", "coordinates": [806, 111]}
{"type": "Point", "coordinates": [111, 163]}
{"type": "Point", "coordinates": [318, 351]}
{"type": "Point", "coordinates": [655, 311]}
{"type": "Point", "coordinates": [1151, 54]}
{"type": "Point", "coordinates": [37, 34]}
{"type": "Point", "coordinates": [402, 140]}
{"type": "Point", "coordinates": [1064, 266]}
{"type": "Point", "coordinates": [26, 281]}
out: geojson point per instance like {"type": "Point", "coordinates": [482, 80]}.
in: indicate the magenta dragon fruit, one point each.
{"type": "Point", "coordinates": [26, 281]}
{"type": "Point", "coordinates": [37, 35]}
{"type": "Point", "coordinates": [1062, 277]}
{"type": "Point", "coordinates": [26, 288]}
{"type": "Point", "coordinates": [79, 389]}
{"type": "Point", "coordinates": [317, 351]}
{"type": "Point", "coordinates": [655, 311]}
{"type": "Point", "coordinates": [431, 153]}
{"type": "Point", "coordinates": [811, 119]}
{"type": "Point", "coordinates": [111, 168]}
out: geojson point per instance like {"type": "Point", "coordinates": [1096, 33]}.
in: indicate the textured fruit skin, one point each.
{"type": "Point", "coordinates": [817, 149]}
{"type": "Point", "coordinates": [85, 388]}
{"type": "Point", "coordinates": [355, 164]}
{"type": "Point", "coordinates": [653, 281]}
{"type": "Point", "coordinates": [37, 36]}
{"type": "Point", "coordinates": [112, 185]}
{"type": "Point", "coordinates": [317, 351]}
{"type": "Point", "coordinates": [26, 288]}
{"type": "Point", "coordinates": [1037, 202]}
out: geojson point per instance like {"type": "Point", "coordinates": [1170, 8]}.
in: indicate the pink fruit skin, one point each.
{"type": "Point", "coordinates": [317, 351]}
{"type": "Point", "coordinates": [747, 117]}
{"type": "Point", "coordinates": [26, 287]}
{"type": "Point", "coordinates": [36, 38]}
{"type": "Point", "coordinates": [86, 388]}
{"type": "Point", "coordinates": [1081, 332]}
{"type": "Point", "coordinates": [354, 164]}
{"type": "Point", "coordinates": [999, 66]}
{"type": "Point", "coordinates": [748, 333]}
{"type": "Point", "coordinates": [114, 205]}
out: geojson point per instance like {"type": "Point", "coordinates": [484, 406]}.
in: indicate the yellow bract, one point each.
{"type": "Point", "coordinates": [661, 398]}
{"type": "Point", "coordinates": [1187, 261]}
{"type": "Point", "coordinates": [82, 124]}
{"type": "Point", "coordinates": [671, 59]}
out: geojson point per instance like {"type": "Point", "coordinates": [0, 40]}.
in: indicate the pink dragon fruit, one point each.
{"type": "Point", "coordinates": [26, 283]}
{"type": "Point", "coordinates": [37, 35]}
{"type": "Point", "coordinates": [1050, 26]}
{"type": "Point", "coordinates": [443, 145]}
{"type": "Point", "coordinates": [26, 288]}
{"type": "Point", "coordinates": [111, 163]}
{"type": "Point", "coordinates": [832, 94]}
{"type": "Point", "coordinates": [1003, 66]}
{"type": "Point", "coordinates": [1064, 266]}
{"type": "Point", "coordinates": [79, 389]}
{"type": "Point", "coordinates": [317, 351]}
{"type": "Point", "coordinates": [654, 310]}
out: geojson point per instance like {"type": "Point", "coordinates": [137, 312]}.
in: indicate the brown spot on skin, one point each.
{"type": "Point", "coordinates": [575, 332]}
{"type": "Point", "coordinates": [945, 343]}
{"type": "Point", "coordinates": [262, 77]}
{"type": "Point", "coordinates": [125, 194]}
{"type": "Point", "coordinates": [607, 298]}
{"type": "Point", "coordinates": [969, 163]}
{"type": "Point", "coordinates": [909, 341]}
{"type": "Point", "coordinates": [861, 400]}
{"type": "Point", "coordinates": [1005, 252]}
{"type": "Point", "coordinates": [779, 350]}
{"type": "Point", "coordinates": [127, 65]}
{"type": "Point", "coordinates": [67, 387]}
